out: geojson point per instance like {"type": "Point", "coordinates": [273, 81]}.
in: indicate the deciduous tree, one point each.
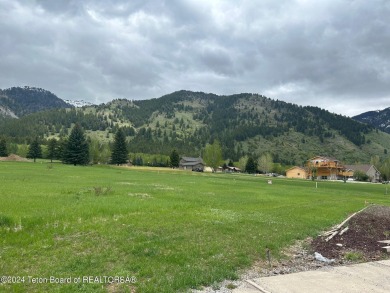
{"type": "Point", "coordinates": [213, 154]}
{"type": "Point", "coordinates": [265, 163]}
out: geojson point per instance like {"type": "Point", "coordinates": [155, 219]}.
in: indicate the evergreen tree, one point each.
{"type": "Point", "coordinates": [119, 151]}
{"type": "Point", "coordinates": [61, 146]}
{"type": "Point", "coordinates": [34, 150]}
{"type": "Point", "coordinates": [76, 150]}
{"type": "Point", "coordinates": [52, 149]}
{"type": "Point", "coordinates": [175, 159]}
{"type": "Point", "coordinates": [251, 166]}
{"type": "Point", "coordinates": [3, 148]}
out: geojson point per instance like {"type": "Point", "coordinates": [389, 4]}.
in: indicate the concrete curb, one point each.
{"type": "Point", "coordinates": [365, 277]}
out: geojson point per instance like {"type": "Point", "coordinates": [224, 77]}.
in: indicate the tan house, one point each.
{"type": "Point", "coordinates": [325, 168]}
{"type": "Point", "coordinates": [370, 170]}
{"type": "Point", "coordinates": [297, 172]}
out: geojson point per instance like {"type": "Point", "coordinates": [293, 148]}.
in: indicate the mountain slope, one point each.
{"type": "Point", "coordinates": [378, 119]}
{"type": "Point", "coordinates": [17, 101]}
{"type": "Point", "coordinates": [245, 124]}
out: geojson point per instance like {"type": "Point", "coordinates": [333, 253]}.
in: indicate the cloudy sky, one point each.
{"type": "Point", "coordinates": [334, 54]}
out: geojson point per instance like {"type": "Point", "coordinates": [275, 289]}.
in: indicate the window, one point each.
{"type": "Point", "coordinates": [299, 174]}
{"type": "Point", "coordinates": [324, 177]}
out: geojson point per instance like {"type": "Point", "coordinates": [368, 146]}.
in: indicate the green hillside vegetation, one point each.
{"type": "Point", "coordinates": [244, 124]}
{"type": "Point", "coordinates": [170, 230]}
{"type": "Point", "coordinates": [27, 100]}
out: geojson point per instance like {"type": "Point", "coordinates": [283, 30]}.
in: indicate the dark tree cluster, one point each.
{"type": "Point", "coordinates": [119, 153]}
{"type": "Point", "coordinates": [76, 150]}
{"type": "Point", "coordinates": [34, 150]}
{"type": "Point", "coordinates": [3, 148]}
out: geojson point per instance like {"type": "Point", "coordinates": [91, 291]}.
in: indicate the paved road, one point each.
{"type": "Point", "coordinates": [371, 277]}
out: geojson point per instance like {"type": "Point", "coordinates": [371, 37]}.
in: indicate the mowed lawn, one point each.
{"type": "Point", "coordinates": [157, 230]}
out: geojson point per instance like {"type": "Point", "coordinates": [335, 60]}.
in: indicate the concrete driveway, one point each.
{"type": "Point", "coordinates": [366, 277]}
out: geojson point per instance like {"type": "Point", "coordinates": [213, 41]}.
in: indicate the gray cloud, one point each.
{"type": "Point", "coordinates": [328, 53]}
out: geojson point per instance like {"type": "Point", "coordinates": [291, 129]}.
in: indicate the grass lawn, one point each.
{"type": "Point", "coordinates": [158, 230]}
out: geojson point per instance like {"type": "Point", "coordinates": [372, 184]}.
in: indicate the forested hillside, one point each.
{"type": "Point", "coordinates": [378, 119]}
{"type": "Point", "coordinates": [245, 124]}
{"type": "Point", "coordinates": [18, 101]}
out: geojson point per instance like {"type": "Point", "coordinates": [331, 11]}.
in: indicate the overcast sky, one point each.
{"type": "Point", "coordinates": [334, 54]}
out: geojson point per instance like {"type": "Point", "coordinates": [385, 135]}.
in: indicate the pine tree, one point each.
{"type": "Point", "coordinates": [175, 159]}
{"type": "Point", "coordinates": [3, 148]}
{"type": "Point", "coordinates": [251, 166]}
{"type": "Point", "coordinates": [119, 150]}
{"type": "Point", "coordinates": [52, 149]}
{"type": "Point", "coordinates": [34, 150]}
{"type": "Point", "coordinates": [76, 150]}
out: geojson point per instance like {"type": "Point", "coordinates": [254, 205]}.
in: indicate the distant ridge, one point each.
{"type": "Point", "coordinates": [379, 119]}
{"type": "Point", "coordinates": [78, 103]}
{"type": "Point", "coordinates": [245, 124]}
{"type": "Point", "coordinates": [20, 101]}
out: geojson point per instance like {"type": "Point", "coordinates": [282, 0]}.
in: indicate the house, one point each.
{"type": "Point", "coordinates": [297, 172]}
{"type": "Point", "coordinates": [194, 164]}
{"type": "Point", "coordinates": [370, 170]}
{"type": "Point", "coordinates": [228, 169]}
{"type": "Point", "coordinates": [232, 169]}
{"type": "Point", "coordinates": [325, 168]}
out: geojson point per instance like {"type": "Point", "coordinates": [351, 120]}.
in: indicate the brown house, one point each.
{"type": "Point", "coordinates": [297, 172]}
{"type": "Point", "coordinates": [325, 168]}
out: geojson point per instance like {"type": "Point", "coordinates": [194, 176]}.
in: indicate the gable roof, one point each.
{"type": "Point", "coordinates": [323, 158]}
{"type": "Point", "coordinates": [189, 161]}
{"type": "Point", "coordinates": [297, 167]}
{"type": "Point", "coordinates": [362, 167]}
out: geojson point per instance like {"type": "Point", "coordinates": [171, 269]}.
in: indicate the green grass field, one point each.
{"type": "Point", "coordinates": [159, 230]}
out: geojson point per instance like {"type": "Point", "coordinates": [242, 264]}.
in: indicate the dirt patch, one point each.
{"type": "Point", "coordinates": [361, 239]}
{"type": "Point", "coordinates": [358, 244]}
{"type": "Point", "coordinates": [15, 158]}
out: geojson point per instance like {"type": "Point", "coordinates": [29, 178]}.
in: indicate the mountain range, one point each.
{"type": "Point", "coordinates": [245, 124]}
{"type": "Point", "coordinates": [379, 119]}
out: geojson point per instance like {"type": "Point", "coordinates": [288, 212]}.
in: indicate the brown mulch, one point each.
{"type": "Point", "coordinates": [365, 230]}
{"type": "Point", "coordinates": [13, 157]}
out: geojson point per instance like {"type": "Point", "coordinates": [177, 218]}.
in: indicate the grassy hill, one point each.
{"type": "Point", "coordinates": [245, 124]}
{"type": "Point", "coordinates": [170, 230]}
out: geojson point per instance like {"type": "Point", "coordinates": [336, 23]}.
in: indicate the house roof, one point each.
{"type": "Point", "coordinates": [363, 167]}
{"type": "Point", "coordinates": [324, 158]}
{"type": "Point", "coordinates": [189, 161]}
{"type": "Point", "coordinates": [233, 168]}
{"type": "Point", "coordinates": [297, 167]}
